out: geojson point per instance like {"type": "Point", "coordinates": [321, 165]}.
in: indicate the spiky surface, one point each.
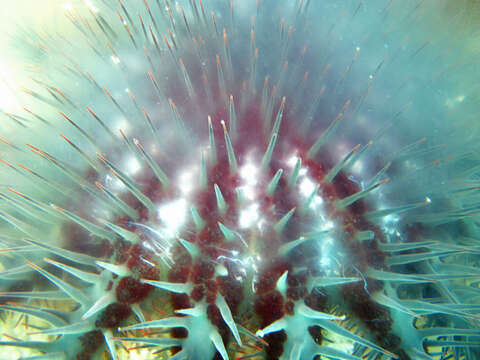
{"type": "Point", "coordinates": [257, 179]}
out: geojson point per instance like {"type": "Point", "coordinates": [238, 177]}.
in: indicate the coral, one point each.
{"type": "Point", "coordinates": [243, 179]}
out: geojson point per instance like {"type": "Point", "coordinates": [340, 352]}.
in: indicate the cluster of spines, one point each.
{"type": "Point", "coordinates": [400, 256]}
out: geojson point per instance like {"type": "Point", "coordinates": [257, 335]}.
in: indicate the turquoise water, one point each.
{"type": "Point", "coordinates": [241, 179]}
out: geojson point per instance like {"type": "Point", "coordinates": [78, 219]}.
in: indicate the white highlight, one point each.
{"type": "Point", "coordinates": [329, 246]}
{"type": "Point", "coordinates": [114, 184]}
{"type": "Point", "coordinates": [248, 192]}
{"type": "Point", "coordinates": [292, 161]}
{"type": "Point", "coordinates": [325, 262]}
{"type": "Point", "coordinates": [316, 202]}
{"type": "Point", "coordinates": [249, 173]}
{"type": "Point", "coordinates": [248, 216]}
{"type": "Point", "coordinates": [68, 6]}
{"type": "Point", "coordinates": [91, 6]}
{"type": "Point", "coordinates": [186, 181]}
{"type": "Point", "coordinates": [327, 225]}
{"type": "Point", "coordinates": [390, 225]}
{"type": "Point", "coordinates": [327, 250]}
{"type": "Point", "coordinates": [133, 166]}
{"type": "Point", "coordinates": [173, 215]}
{"type": "Point", "coordinates": [306, 187]}
{"type": "Point", "coordinates": [122, 124]}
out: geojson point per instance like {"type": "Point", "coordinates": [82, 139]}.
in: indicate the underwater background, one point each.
{"type": "Point", "coordinates": [239, 179]}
